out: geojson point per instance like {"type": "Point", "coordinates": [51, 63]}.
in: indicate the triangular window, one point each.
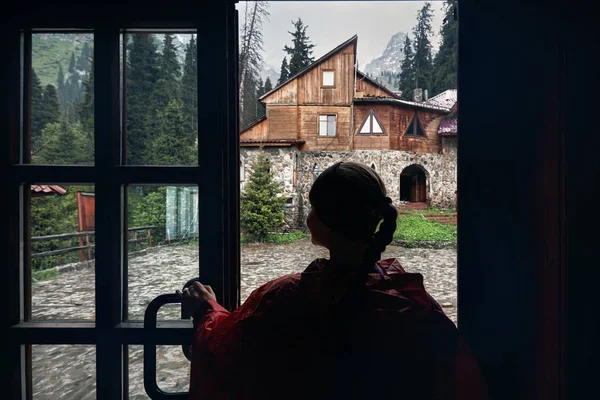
{"type": "Point", "coordinates": [371, 125]}
{"type": "Point", "coordinates": [415, 128]}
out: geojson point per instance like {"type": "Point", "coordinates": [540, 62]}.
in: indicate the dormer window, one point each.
{"type": "Point", "coordinates": [328, 78]}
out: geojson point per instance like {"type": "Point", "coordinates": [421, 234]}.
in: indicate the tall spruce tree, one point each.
{"type": "Point", "coordinates": [189, 88]}
{"type": "Point", "coordinates": [63, 143]}
{"type": "Point", "coordinates": [172, 146]}
{"type": "Point", "coordinates": [284, 74]}
{"type": "Point", "coordinates": [268, 86]}
{"type": "Point", "coordinates": [142, 75]}
{"type": "Point", "coordinates": [83, 62]}
{"type": "Point", "coordinates": [301, 50]}
{"type": "Point", "coordinates": [86, 108]}
{"type": "Point", "coordinates": [260, 107]}
{"type": "Point", "coordinates": [262, 200]}
{"type": "Point", "coordinates": [50, 108]}
{"type": "Point", "coordinates": [445, 63]}
{"type": "Point", "coordinates": [423, 60]}
{"type": "Point", "coordinates": [250, 112]}
{"type": "Point", "coordinates": [407, 71]}
{"type": "Point", "coordinates": [37, 118]}
{"type": "Point", "coordinates": [60, 85]}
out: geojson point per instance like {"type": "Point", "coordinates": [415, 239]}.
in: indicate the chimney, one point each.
{"type": "Point", "coordinates": [426, 95]}
{"type": "Point", "coordinates": [418, 95]}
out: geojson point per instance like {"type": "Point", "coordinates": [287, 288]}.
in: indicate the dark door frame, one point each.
{"type": "Point", "coordinates": [218, 144]}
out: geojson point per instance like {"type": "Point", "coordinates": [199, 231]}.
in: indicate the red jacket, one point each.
{"type": "Point", "coordinates": [397, 342]}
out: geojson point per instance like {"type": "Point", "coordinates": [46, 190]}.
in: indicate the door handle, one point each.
{"type": "Point", "coordinates": [150, 317]}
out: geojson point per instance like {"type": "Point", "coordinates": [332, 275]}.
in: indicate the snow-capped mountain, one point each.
{"type": "Point", "coordinates": [390, 60]}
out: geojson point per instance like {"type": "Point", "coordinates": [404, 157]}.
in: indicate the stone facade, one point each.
{"type": "Point", "coordinates": [294, 169]}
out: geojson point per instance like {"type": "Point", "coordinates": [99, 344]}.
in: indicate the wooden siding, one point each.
{"type": "Point", "coordinates": [395, 121]}
{"type": "Point", "coordinates": [257, 132]}
{"type": "Point", "coordinates": [287, 94]}
{"type": "Point", "coordinates": [309, 128]}
{"type": "Point", "coordinates": [372, 142]}
{"type": "Point", "coordinates": [308, 88]}
{"type": "Point", "coordinates": [282, 122]}
{"type": "Point", "coordinates": [364, 88]}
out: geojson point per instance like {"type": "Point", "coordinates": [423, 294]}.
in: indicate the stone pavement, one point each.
{"type": "Point", "coordinates": [67, 371]}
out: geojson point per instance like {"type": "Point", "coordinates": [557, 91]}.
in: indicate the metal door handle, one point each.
{"type": "Point", "coordinates": [150, 317]}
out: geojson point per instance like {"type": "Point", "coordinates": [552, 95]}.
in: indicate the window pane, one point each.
{"type": "Point", "coordinates": [331, 125]}
{"type": "Point", "coordinates": [66, 372]}
{"type": "Point", "coordinates": [367, 125]}
{"type": "Point", "coordinates": [328, 78]}
{"type": "Point", "coordinates": [161, 98]}
{"type": "Point", "coordinates": [172, 371]}
{"type": "Point", "coordinates": [62, 252]}
{"type": "Point", "coordinates": [163, 242]}
{"type": "Point", "coordinates": [62, 98]}
{"type": "Point", "coordinates": [323, 126]}
{"type": "Point", "coordinates": [376, 126]}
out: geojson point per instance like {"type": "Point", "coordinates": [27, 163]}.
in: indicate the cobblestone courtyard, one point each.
{"type": "Point", "coordinates": [68, 372]}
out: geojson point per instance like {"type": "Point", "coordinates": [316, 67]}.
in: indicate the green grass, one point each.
{"type": "Point", "coordinates": [415, 228]}
{"type": "Point", "coordinates": [428, 211]}
{"type": "Point", "coordinates": [44, 275]}
{"type": "Point", "coordinates": [278, 238]}
{"type": "Point", "coordinates": [48, 53]}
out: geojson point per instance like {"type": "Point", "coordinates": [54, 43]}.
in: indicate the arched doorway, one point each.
{"type": "Point", "coordinates": [413, 184]}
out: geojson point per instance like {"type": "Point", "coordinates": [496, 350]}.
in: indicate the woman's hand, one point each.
{"type": "Point", "coordinates": [196, 297]}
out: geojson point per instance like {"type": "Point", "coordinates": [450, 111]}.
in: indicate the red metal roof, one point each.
{"type": "Point", "coordinates": [44, 190]}
{"type": "Point", "coordinates": [448, 127]}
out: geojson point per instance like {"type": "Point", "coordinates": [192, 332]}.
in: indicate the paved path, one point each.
{"type": "Point", "coordinates": [67, 372]}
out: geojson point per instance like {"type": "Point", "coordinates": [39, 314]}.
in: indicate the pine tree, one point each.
{"type": "Point", "coordinates": [260, 107]}
{"type": "Point", "coordinates": [284, 74]}
{"type": "Point", "coordinates": [142, 75]}
{"type": "Point", "coordinates": [250, 113]}
{"type": "Point", "coordinates": [189, 88]}
{"type": "Point", "coordinates": [63, 143]}
{"type": "Point", "coordinates": [172, 146]}
{"type": "Point", "coordinates": [83, 62]}
{"type": "Point", "coordinates": [268, 86]}
{"type": "Point", "coordinates": [60, 84]}
{"type": "Point", "coordinates": [37, 118]}
{"type": "Point", "coordinates": [72, 64]}
{"type": "Point", "coordinates": [446, 64]}
{"type": "Point", "coordinates": [300, 53]}
{"type": "Point", "coordinates": [407, 74]}
{"type": "Point", "coordinates": [86, 108]}
{"type": "Point", "coordinates": [50, 108]}
{"type": "Point", "coordinates": [262, 201]}
{"type": "Point", "coordinates": [423, 60]}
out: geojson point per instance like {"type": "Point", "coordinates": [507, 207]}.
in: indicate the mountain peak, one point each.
{"type": "Point", "coordinates": [391, 58]}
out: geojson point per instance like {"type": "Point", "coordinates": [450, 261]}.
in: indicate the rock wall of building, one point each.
{"type": "Point", "coordinates": [295, 170]}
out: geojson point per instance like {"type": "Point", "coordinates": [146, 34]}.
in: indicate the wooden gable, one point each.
{"type": "Point", "coordinates": [309, 86]}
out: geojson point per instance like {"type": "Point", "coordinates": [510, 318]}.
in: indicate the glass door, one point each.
{"type": "Point", "coordinates": [124, 172]}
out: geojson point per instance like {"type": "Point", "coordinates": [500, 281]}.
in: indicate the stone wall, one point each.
{"type": "Point", "coordinates": [295, 171]}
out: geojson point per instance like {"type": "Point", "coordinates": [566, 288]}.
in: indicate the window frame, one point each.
{"type": "Point", "coordinates": [327, 115]}
{"type": "Point", "coordinates": [367, 118]}
{"type": "Point", "coordinates": [413, 127]}
{"type": "Point", "coordinates": [218, 157]}
{"type": "Point", "coordinates": [323, 85]}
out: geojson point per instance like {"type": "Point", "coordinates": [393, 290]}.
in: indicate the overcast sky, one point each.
{"type": "Point", "coordinates": [332, 23]}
